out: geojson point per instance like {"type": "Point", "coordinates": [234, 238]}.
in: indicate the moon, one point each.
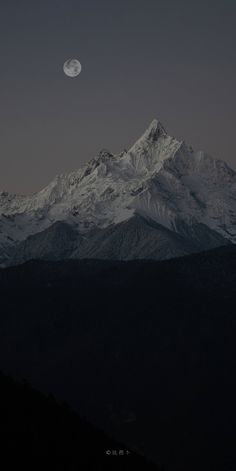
{"type": "Point", "coordinates": [72, 67]}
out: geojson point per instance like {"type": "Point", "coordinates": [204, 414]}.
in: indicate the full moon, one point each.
{"type": "Point", "coordinates": [72, 67]}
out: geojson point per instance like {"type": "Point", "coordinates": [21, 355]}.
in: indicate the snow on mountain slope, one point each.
{"type": "Point", "coordinates": [159, 178]}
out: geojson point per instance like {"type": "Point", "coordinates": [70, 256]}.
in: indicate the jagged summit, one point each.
{"type": "Point", "coordinates": [154, 131]}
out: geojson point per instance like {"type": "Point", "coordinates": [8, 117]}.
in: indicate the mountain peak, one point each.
{"type": "Point", "coordinates": [154, 130]}
{"type": "Point", "coordinates": [150, 137]}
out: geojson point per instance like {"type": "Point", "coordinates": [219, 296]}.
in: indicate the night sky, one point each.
{"type": "Point", "coordinates": [170, 59]}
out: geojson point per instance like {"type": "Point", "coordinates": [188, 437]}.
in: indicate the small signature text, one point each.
{"type": "Point", "coordinates": [117, 452]}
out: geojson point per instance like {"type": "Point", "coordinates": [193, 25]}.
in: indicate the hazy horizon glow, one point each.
{"type": "Point", "coordinates": [173, 60]}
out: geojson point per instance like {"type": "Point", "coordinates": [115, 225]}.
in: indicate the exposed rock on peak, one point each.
{"type": "Point", "coordinates": [154, 131]}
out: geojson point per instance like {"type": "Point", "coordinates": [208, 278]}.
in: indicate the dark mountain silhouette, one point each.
{"type": "Point", "coordinates": [36, 425]}
{"type": "Point", "coordinates": [136, 238]}
{"type": "Point", "coordinates": [145, 350]}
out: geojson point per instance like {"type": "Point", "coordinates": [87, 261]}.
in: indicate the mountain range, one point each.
{"type": "Point", "coordinates": [157, 200]}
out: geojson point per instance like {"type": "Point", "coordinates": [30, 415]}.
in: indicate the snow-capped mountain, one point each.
{"type": "Point", "coordinates": [157, 200]}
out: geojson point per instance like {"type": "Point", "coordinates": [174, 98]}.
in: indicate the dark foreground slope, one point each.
{"type": "Point", "coordinates": [33, 425]}
{"type": "Point", "coordinates": [146, 350]}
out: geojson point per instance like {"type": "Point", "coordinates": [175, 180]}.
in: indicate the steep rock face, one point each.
{"type": "Point", "coordinates": [160, 178]}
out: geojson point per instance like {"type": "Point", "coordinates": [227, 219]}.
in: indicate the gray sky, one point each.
{"type": "Point", "coordinates": [170, 59]}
